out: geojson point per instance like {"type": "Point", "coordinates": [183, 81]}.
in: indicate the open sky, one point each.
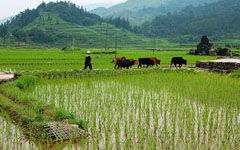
{"type": "Point", "coordinates": [13, 7]}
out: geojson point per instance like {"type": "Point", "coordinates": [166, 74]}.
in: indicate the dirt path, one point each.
{"type": "Point", "coordinates": [4, 76]}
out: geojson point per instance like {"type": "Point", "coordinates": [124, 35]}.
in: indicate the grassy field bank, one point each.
{"type": "Point", "coordinates": [30, 114]}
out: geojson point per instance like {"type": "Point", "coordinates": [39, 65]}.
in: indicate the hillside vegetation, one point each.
{"type": "Point", "coordinates": [139, 11]}
{"type": "Point", "coordinates": [2, 21]}
{"type": "Point", "coordinates": [218, 20]}
{"type": "Point", "coordinates": [65, 24]}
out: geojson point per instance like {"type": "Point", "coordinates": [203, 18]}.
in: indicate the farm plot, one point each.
{"type": "Point", "coordinates": [160, 110]}
{"type": "Point", "coordinates": [56, 59]}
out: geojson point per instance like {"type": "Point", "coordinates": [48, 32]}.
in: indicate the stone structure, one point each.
{"type": "Point", "coordinates": [204, 46]}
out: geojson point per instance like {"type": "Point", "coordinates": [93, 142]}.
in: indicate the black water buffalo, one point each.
{"type": "Point", "coordinates": [148, 62]}
{"type": "Point", "coordinates": [178, 61]}
{"type": "Point", "coordinates": [128, 63]}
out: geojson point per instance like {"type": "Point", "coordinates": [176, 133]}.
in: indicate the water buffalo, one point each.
{"type": "Point", "coordinates": [123, 63]}
{"type": "Point", "coordinates": [178, 61]}
{"type": "Point", "coordinates": [128, 63]}
{"type": "Point", "coordinates": [117, 61]}
{"type": "Point", "coordinates": [148, 62]}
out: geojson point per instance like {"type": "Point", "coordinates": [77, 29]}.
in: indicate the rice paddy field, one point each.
{"type": "Point", "coordinates": [55, 59]}
{"type": "Point", "coordinates": [130, 109]}
{"type": "Point", "coordinates": [160, 110]}
{"type": "Point", "coordinates": [12, 137]}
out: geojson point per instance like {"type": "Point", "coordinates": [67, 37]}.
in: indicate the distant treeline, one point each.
{"type": "Point", "coordinates": [217, 20]}
{"type": "Point", "coordinates": [140, 11]}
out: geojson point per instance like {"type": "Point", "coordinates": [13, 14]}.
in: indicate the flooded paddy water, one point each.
{"type": "Point", "coordinates": [12, 138]}
{"type": "Point", "coordinates": [123, 114]}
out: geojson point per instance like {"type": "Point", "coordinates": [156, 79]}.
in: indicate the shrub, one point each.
{"type": "Point", "coordinates": [26, 81]}
{"type": "Point", "coordinates": [63, 115]}
{"type": "Point", "coordinates": [39, 117]}
{"type": "Point", "coordinates": [223, 51]}
{"type": "Point", "coordinates": [81, 123]}
{"type": "Point", "coordinates": [71, 48]}
{"type": "Point", "coordinates": [26, 119]}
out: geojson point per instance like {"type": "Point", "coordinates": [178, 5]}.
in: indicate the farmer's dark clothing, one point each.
{"type": "Point", "coordinates": [88, 62]}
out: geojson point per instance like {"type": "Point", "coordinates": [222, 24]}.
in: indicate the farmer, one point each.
{"type": "Point", "coordinates": [88, 61]}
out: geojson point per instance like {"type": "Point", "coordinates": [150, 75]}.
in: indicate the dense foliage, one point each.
{"type": "Point", "coordinates": [39, 36]}
{"type": "Point", "coordinates": [217, 19]}
{"type": "Point", "coordinates": [65, 10]}
{"type": "Point", "coordinates": [71, 13]}
{"type": "Point", "coordinates": [23, 19]}
{"type": "Point", "coordinates": [3, 30]}
{"type": "Point", "coordinates": [20, 35]}
{"type": "Point", "coordinates": [140, 11]}
{"type": "Point", "coordinates": [61, 24]}
{"type": "Point", "coordinates": [120, 23]}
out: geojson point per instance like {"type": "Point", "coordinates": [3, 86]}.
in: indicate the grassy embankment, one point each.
{"type": "Point", "coordinates": [30, 114]}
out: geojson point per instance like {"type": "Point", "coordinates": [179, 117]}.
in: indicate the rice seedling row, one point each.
{"type": "Point", "coordinates": [124, 113]}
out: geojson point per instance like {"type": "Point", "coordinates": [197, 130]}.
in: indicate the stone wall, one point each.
{"type": "Point", "coordinates": [226, 67]}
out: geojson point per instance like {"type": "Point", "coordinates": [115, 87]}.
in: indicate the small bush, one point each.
{"type": "Point", "coordinates": [39, 117]}
{"type": "Point", "coordinates": [26, 119]}
{"type": "Point", "coordinates": [38, 107]}
{"type": "Point", "coordinates": [63, 115]}
{"type": "Point", "coordinates": [71, 48]}
{"type": "Point", "coordinates": [81, 123]}
{"type": "Point", "coordinates": [223, 51]}
{"type": "Point", "coordinates": [26, 81]}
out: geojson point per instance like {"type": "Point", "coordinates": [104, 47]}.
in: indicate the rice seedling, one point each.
{"type": "Point", "coordinates": [151, 110]}
{"type": "Point", "coordinates": [11, 137]}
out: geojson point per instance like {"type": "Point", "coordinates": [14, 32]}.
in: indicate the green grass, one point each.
{"type": "Point", "coordinates": [236, 74]}
{"type": "Point", "coordinates": [55, 59]}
